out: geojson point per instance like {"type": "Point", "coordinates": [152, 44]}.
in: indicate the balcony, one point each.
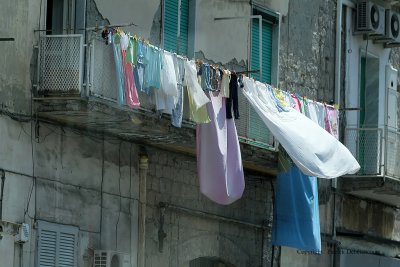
{"type": "Point", "coordinates": [378, 152]}
{"type": "Point", "coordinates": [76, 87]}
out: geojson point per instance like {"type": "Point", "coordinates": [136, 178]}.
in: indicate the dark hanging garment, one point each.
{"type": "Point", "coordinates": [233, 102]}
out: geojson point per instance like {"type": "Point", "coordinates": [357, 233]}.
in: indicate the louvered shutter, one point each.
{"type": "Point", "coordinates": [57, 245]}
{"type": "Point", "coordinates": [257, 129]}
{"type": "Point", "coordinates": [171, 26]}
{"type": "Point", "coordinates": [47, 248]}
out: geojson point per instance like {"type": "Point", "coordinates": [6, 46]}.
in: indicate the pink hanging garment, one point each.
{"type": "Point", "coordinates": [131, 95]}
{"type": "Point", "coordinates": [297, 104]}
{"type": "Point", "coordinates": [331, 121]}
{"type": "Point", "coordinates": [219, 162]}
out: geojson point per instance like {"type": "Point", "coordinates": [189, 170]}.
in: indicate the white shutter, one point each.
{"type": "Point", "coordinates": [66, 250]}
{"type": "Point", "coordinates": [57, 245]}
{"type": "Point", "coordinates": [47, 248]}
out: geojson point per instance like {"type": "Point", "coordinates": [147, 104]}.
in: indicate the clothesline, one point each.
{"type": "Point", "coordinates": [145, 67]}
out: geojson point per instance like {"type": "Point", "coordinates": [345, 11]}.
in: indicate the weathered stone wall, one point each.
{"type": "Point", "coordinates": [307, 51]}
{"type": "Point", "coordinates": [172, 178]}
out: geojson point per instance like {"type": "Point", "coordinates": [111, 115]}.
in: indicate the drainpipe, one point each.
{"type": "Point", "coordinates": [143, 167]}
{"type": "Point", "coordinates": [338, 49]}
{"type": "Point", "coordinates": [3, 178]}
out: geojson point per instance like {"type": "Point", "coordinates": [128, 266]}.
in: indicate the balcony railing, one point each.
{"type": "Point", "coordinates": [376, 149]}
{"type": "Point", "coordinates": [61, 69]}
{"type": "Point", "coordinates": [392, 159]}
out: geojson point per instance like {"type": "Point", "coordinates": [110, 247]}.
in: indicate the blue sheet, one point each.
{"type": "Point", "coordinates": [296, 217]}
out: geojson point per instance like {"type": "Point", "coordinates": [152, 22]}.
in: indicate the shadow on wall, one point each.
{"type": "Point", "coordinates": [209, 262]}
{"type": "Point", "coordinates": [211, 251]}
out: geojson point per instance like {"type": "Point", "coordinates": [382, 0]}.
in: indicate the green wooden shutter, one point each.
{"type": "Point", "coordinates": [183, 50]}
{"type": "Point", "coordinates": [257, 129]}
{"type": "Point", "coordinates": [266, 50]}
{"type": "Point", "coordinates": [171, 26]}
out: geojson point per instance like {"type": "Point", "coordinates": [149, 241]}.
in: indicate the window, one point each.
{"type": "Point", "coordinates": [172, 25]}
{"type": "Point", "coordinates": [65, 16]}
{"type": "Point", "coordinates": [57, 245]}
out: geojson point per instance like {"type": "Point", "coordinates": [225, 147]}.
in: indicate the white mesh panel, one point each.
{"type": "Point", "coordinates": [104, 76]}
{"type": "Point", "coordinates": [60, 64]}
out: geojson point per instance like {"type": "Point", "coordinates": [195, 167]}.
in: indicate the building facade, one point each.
{"type": "Point", "coordinates": [86, 182]}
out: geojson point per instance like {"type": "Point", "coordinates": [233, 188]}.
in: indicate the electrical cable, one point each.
{"type": "Point", "coordinates": [101, 189]}
{"type": "Point", "coordinates": [120, 198]}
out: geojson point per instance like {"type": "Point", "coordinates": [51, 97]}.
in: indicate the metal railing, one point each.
{"type": "Point", "coordinates": [366, 146]}
{"type": "Point", "coordinates": [392, 155]}
{"type": "Point", "coordinates": [61, 69]}
{"type": "Point", "coordinates": [60, 65]}
{"type": "Point", "coordinates": [377, 150]}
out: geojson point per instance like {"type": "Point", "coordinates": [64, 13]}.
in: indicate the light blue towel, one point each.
{"type": "Point", "coordinates": [119, 70]}
{"type": "Point", "coordinates": [296, 217]}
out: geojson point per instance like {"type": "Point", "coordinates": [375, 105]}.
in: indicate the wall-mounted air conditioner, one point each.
{"type": "Point", "coordinates": [392, 31]}
{"type": "Point", "coordinates": [108, 258]}
{"type": "Point", "coordinates": [370, 19]}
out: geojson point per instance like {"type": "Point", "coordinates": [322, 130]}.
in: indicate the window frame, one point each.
{"type": "Point", "coordinates": [273, 18]}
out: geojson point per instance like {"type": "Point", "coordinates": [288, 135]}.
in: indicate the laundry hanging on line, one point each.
{"type": "Point", "coordinates": [312, 149]}
{"type": "Point", "coordinates": [219, 160]}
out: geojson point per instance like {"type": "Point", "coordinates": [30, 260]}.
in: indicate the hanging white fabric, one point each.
{"type": "Point", "coordinates": [312, 149]}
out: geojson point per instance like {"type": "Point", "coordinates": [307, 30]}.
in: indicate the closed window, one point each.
{"type": "Point", "coordinates": [176, 20]}
{"type": "Point", "coordinates": [57, 245]}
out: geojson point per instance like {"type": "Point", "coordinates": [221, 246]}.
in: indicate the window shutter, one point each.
{"type": "Point", "coordinates": [57, 245]}
{"type": "Point", "coordinates": [183, 50]}
{"type": "Point", "coordinates": [266, 50]}
{"type": "Point", "coordinates": [47, 248]}
{"type": "Point", "coordinates": [257, 129]}
{"type": "Point", "coordinates": [171, 26]}
{"type": "Point", "coordinates": [66, 249]}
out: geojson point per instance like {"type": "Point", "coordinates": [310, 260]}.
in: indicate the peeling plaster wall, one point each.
{"type": "Point", "coordinates": [222, 41]}
{"type": "Point", "coordinates": [146, 14]}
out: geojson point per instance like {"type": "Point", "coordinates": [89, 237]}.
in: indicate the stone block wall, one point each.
{"type": "Point", "coordinates": [172, 178]}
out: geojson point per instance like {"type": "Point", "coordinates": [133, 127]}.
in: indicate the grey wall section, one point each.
{"type": "Point", "coordinates": [16, 56]}
{"type": "Point", "coordinates": [307, 51]}
{"type": "Point", "coordinates": [369, 218]}
{"type": "Point", "coordinates": [394, 59]}
{"type": "Point", "coordinates": [172, 178]}
{"type": "Point", "coordinates": [143, 13]}
{"type": "Point", "coordinates": [80, 180]}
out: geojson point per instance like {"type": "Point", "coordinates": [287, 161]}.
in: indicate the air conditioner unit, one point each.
{"type": "Point", "coordinates": [108, 258]}
{"type": "Point", "coordinates": [392, 29]}
{"type": "Point", "coordinates": [23, 233]}
{"type": "Point", "coordinates": [370, 19]}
